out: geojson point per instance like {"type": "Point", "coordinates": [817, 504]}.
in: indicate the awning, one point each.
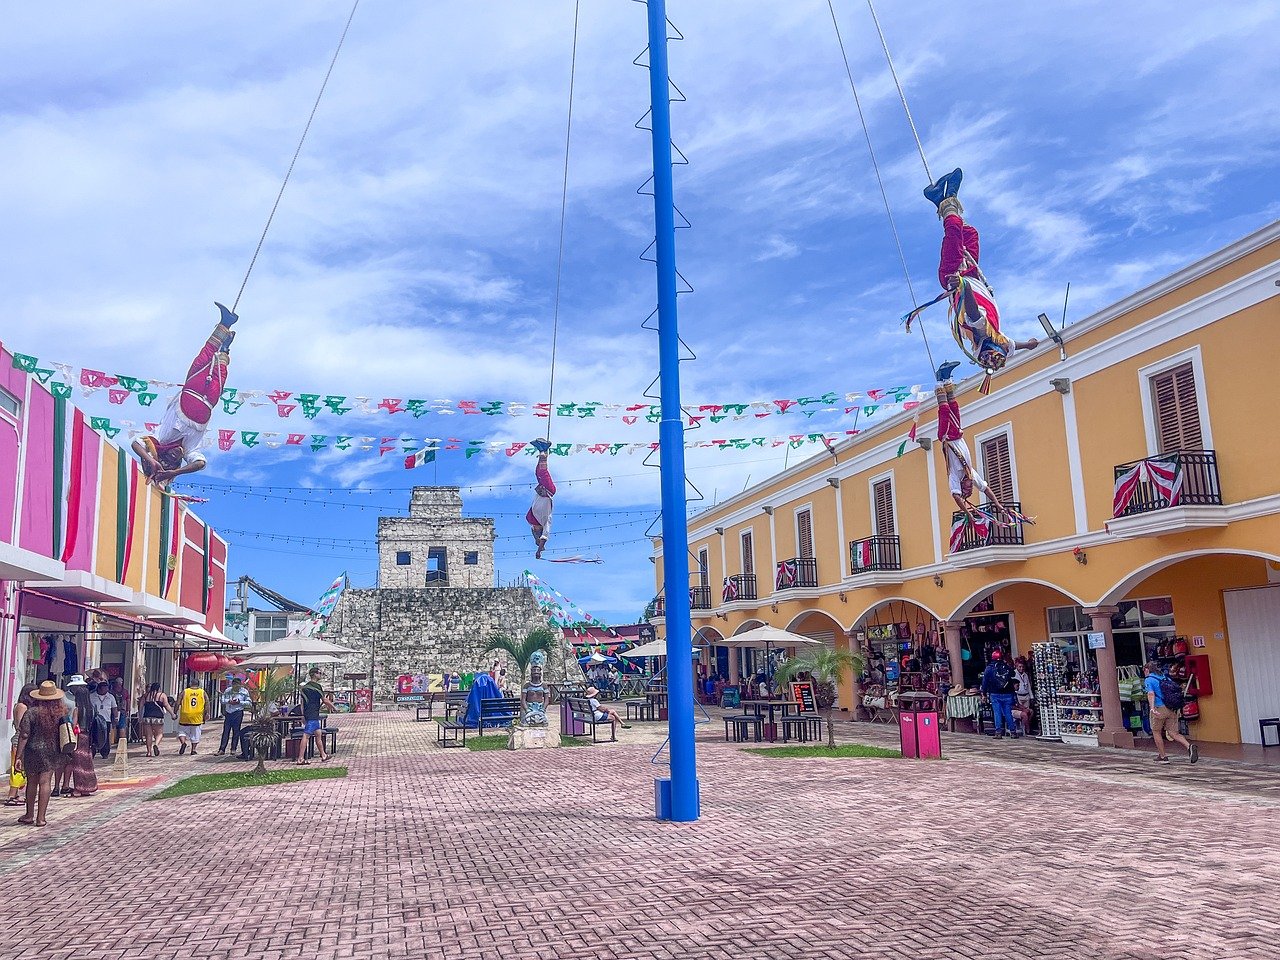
{"type": "Point", "coordinates": [654, 648]}
{"type": "Point", "coordinates": [767, 636]}
{"type": "Point", "coordinates": [296, 645]}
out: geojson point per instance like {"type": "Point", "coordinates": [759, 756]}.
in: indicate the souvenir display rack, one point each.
{"type": "Point", "coordinates": [1049, 665]}
{"type": "Point", "coordinates": [1079, 716]}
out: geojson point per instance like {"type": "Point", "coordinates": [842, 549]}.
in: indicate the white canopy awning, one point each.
{"type": "Point", "coordinates": [654, 648]}
{"type": "Point", "coordinates": [296, 645]}
{"type": "Point", "coordinates": [767, 636]}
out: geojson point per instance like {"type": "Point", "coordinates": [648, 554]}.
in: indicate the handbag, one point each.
{"type": "Point", "coordinates": [904, 626]}
{"type": "Point", "coordinates": [17, 780]}
{"type": "Point", "coordinates": [66, 737]}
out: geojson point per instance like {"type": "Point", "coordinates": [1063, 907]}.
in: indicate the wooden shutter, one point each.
{"type": "Point", "coordinates": [748, 553]}
{"type": "Point", "coordinates": [882, 503]}
{"type": "Point", "coordinates": [997, 468]}
{"type": "Point", "coordinates": [804, 533]}
{"type": "Point", "coordinates": [704, 572]}
{"type": "Point", "coordinates": [1177, 411]}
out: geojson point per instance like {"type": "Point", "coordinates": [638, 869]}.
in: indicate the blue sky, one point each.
{"type": "Point", "coordinates": [414, 253]}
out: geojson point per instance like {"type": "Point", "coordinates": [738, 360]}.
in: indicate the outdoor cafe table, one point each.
{"type": "Point", "coordinates": [657, 703]}
{"type": "Point", "coordinates": [760, 706]}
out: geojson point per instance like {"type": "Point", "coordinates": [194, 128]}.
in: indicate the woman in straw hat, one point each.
{"type": "Point", "coordinates": [38, 755]}
{"type": "Point", "coordinates": [603, 713]}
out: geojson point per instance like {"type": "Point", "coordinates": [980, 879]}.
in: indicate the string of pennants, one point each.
{"type": "Point", "coordinates": [63, 378]}
{"type": "Point", "coordinates": [422, 450]}
{"type": "Point", "coordinates": [559, 610]}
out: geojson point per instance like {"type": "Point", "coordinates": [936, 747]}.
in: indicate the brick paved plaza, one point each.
{"type": "Point", "coordinates": [1006, 850]}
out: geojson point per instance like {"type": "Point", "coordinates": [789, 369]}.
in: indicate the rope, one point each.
{"type": "Point", "coordinates": [875, 164]}
{"type": "Point", "coordinates": [564, 203]}
{"type": "Point", "coordinates": [301, 140]}
{"type": "Point", "coordinates": [901, 95]}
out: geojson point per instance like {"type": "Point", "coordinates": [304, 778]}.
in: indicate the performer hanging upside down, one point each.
{"type": "Point", "coordinates": [962, 475]}
{"type": "Point", "coordinates": [539, 515]}
{"type": "Point", "coordinates": [975, 319]}
{"type": "Point", "coordinates": [175, 448]}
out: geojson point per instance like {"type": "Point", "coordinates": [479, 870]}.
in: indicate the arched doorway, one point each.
{"type": "Point", "coordinates": [1013, 615]}
{"type": "Point", "coordinates": [1213, 619]}
{"type": "Point", "coordinates": [897, 633]}
{"type": "Point", "coordinates": [821, 626]}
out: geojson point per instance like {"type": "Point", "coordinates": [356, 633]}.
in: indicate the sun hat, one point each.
{"type": "Point", "coordinates": [592, 691]}
{"type": "Point", "coordinates": [48, 690]}
{"type": "Point", "coordinates": [77, 681]}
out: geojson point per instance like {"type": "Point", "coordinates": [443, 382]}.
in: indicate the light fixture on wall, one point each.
{"type": "Point", "coordinates": [722, 616]}
{"type": "Point", "coordinates": [720, 530]}
{"type": "Point", "coordinates": [844, 597]}
{"type": "Point", "coordinates": [834, 481]}
{"type": "Point", "coordinates": [1081, 557]}
{"type": "Point", "coordinates": [773, 607]}
{"type": "Point", "coordinates": [926, 443]}
{"type": "Point", "coordinates": [768, 510]}
{"type": "Point", "coordinates": [937, 579]}
{"type": "Point", "coordinates": [1061, 384]}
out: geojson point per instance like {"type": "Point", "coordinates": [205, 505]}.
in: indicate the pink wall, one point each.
{"type": "Point", "coordinates": [82, 550]}
{"type": "Point", "coordinates": [35, 531]}
{"type": "Point", "coordinates": [15, 381]}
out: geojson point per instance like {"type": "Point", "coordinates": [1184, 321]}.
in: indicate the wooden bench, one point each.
{"type": "Point", "coordinates": [580, 708]}
{"type": "Point", "coordinates": [451, 699]}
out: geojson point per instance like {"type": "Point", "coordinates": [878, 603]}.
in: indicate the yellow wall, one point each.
{"type": "Point", "coordinates": [105, 561]}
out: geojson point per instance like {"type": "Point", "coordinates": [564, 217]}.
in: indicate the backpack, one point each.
{"type": "Point", "coordinates": [1171, 693]}
{"type": "Point", "coordinates": [1004, 677]}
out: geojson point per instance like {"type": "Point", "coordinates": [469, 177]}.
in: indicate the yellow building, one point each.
{"type": "Point", "coordinates": [1177, 376]}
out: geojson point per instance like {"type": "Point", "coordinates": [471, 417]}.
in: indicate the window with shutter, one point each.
{"type": "Point", "coordinates": [804, 533]}
{"type": "Point", "coordinates": [1177, 411]}
{"type": "Point", "coordinates": [704, 569]}
{"type": "Point", "coordinates": [997, 468]}
{"type": "Point", "coordinates": [748, 553]}
{"type": "Point", "coordinates": [882, 504]}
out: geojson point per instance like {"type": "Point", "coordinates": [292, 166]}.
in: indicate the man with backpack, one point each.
{"type": "Point", "coordinates": [1165, 696]}
{"type": "Point", "coordinates": [998, 684]}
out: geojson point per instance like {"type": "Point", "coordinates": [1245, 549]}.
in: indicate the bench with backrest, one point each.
{"type": "Point", "coordinates": [451, 699]}
{"type": "Point", "coordinates": [494, 712]}
{"type": "Point", "coordinates": [580, 708]}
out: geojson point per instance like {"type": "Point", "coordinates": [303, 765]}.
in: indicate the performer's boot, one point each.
{"type": "Point", "coordinates": [944, 371]}
{"type": "Point", "coordinates": [944, 187]}
{"type": "Point", "coordinates": [228, 319]}
{"type": "Point", "coordinates": [542, 446]}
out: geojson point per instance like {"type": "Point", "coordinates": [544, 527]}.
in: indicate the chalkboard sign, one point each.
{"type": "Point", "coordinates": [802, 692]}
{"type": "Point", "coordinates": [731, 697]}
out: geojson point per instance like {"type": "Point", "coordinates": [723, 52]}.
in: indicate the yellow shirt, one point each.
{"type": "Point", "coordinates": [191, 712]}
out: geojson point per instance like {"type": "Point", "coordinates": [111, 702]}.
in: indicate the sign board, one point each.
{"type": "Point", "coordinates": [1197, 641]}
{"type": "Point", "coordinates": [731, 697]}
{"type": "Point", "coordinates": [343, 701]}
{"type": "Point", "coordinates": [412, 698]}
{"type": "Point", "coordinates": [802, 692]}
{"type": "Point", "coordinates": [354, 676]}
{"type": "Point", "coordinates": [419, 683]}
{"type": "Point", "coordinates": [1097, 640]}
{"type": "Point", "coordinates": [647, 633]}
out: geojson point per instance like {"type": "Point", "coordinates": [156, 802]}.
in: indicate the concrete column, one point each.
{"type": "Point", "coordinates": [1113, 732]}
{"type": "Point", "coordinates": [951, 634]}
{"type": "Point", "coordinates": [735, 674]}
{"type": "Point", "coordinates": [854, 689]}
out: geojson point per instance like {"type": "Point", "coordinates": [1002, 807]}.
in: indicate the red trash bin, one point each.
{"type": "Point", "coordinates": [919, 727]}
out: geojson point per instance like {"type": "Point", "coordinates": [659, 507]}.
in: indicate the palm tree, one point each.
{"type": "Point", "coordinates": [521, 651]}
{"type": "Point", "coordinates": [265, 688]}
{"type": "Point", "coordinates": [829, 667]}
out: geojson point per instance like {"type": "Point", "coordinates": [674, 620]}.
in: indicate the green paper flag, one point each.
{"type": "Point", "coordinates": [61, 390]}
{"type": "Point", "coordinates": [902, 448]}
{"type": "Point", "coordinates": [22, 361]}
{"type": "Point", "coordinates": [249, 438]}
{"type": "Point", "coordinates": [319, 441]}
{"type": "Point", "coordinates": [43, 374]}
{"type": "Point", "coordinates": [146, 399]}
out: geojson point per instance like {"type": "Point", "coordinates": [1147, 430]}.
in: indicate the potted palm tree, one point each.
{"type": "Point", "coordinates": [265, 688]}
{"type": "Point", "coordinates": [828, 667]}
{"type": "Point", "coordinates": [521, 653]}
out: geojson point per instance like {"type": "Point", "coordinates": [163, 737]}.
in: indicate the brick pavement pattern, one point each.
{"type": "Point", "coordinates": [1006, 851]}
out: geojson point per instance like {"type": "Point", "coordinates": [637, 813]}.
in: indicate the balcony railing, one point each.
{"type": "Point", "coordinates": [995, 529]}
{"type": "Point", "coordinates": [700, 598]}
{"type": "Point", "coordinates": [796, 573]}
{"type": "Point", "coordinates": [875, 553]}
{"type": "Point", "coordinates": [740, 586]}
{"type": "Point", "coordinates": [1177, 478]}
{"type": "Point", "coordinates": [659, 606]}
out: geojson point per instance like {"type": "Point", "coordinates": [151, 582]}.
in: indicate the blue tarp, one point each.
{"type": "Point", "coordinates": [482, 688]}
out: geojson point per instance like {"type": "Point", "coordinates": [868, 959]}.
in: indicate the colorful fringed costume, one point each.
{"type": "Point", "coordinates": [539, 515]}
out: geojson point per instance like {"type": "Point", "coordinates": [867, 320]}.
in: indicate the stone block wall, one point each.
{"type": "Point", "coordinates": [435, 520]}
{"type": "Point", "coordinates": [427, 630]}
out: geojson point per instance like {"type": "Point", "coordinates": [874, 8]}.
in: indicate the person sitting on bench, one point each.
{"type": "Point", "coordinates": [602, 713]}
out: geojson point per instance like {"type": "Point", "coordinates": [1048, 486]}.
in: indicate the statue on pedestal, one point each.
{"type": "Point", "coordinates": [536, 694]}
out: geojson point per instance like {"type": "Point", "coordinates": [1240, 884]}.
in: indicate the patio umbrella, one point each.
{"type": "Point", "coordinates": [596, 658]}
{"type": "Point", "coordinates": [654, 648]}
{"type": "Point", "coordinates": [767, 636]}
{"type": "Point", "coordinates": [298, 648]}
{"type": "Point", "coordinates": [283, 659]}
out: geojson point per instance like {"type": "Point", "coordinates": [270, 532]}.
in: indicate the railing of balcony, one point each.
{"type": "Point", "coordinates": [1177, 478]}
{"type": "Point", "coordinates": [700, 598]}
{"type": "Point", "coordinates": [796, 573]}
{"type": "Point", "coordinates": [740, 586]}
{"type": "Point", "coordinates": [993, 530]}
{"type": "Point", "coordinates": [875, 553]}
{"type": "Point", "coordinates": [659, 606]}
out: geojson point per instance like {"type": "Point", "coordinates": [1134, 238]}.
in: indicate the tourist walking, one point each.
{"type": "Point", "coordinates": [192, 705]}
{"type": "Point", "coordinates": [1022, 693]}
{"type": "Point", "coordinates": [1165, 697]}
{"type": "Point", "coordinates": [313, 698]}
{"type": "Point", "coordinates": [104, 718]}
{"type": "Point", "coordinates": [234, 700]}
{"type": "Point", "coordinates": [151, 718]}
{"type": "Point", "coordinates": [998, 684]}
{"type": "Point", "coordinates": [20, 708]}
{"type": "Point", "coordinates": [38, 755]}
{"type": "Point", "coordinates": [121, 729]}
{"type": "Point", "coordinates": [83, 778]}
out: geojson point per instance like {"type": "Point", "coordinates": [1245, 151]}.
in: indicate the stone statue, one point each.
{"type": "Point", "coordinates": [536, 695]}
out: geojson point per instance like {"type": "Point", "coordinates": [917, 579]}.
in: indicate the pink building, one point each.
{"type": "Point", "coordinates": [97, 569]}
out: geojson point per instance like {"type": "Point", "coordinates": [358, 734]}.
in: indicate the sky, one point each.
{"type": "Point", "coordinates": [415, 250]}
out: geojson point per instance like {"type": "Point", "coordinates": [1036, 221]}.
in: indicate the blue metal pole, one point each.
{"type": "Point", "coordinates": [684, 801]}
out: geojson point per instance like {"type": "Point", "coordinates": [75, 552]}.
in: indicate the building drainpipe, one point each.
{"type": "Point", "coordinates": [1113, 733]}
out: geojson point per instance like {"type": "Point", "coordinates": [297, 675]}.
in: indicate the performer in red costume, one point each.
{"type": "Point", "coordinates": [175, 449]}
{"type": "Point", "coordinates": [539, 515]}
